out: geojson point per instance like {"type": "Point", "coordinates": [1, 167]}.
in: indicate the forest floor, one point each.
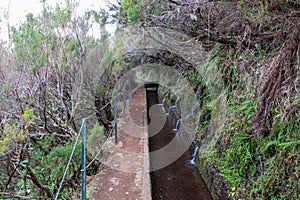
{"type": "Point", "coordinates": [124, 174]}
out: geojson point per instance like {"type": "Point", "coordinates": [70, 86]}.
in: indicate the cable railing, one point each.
{"type": "Point", "coordinates": [68, 165]}
{"type": "Point", "coordinates": [83, 135]}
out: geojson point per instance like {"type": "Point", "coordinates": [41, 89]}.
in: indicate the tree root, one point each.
{"type": "Point", "coordinates": [278, 82]}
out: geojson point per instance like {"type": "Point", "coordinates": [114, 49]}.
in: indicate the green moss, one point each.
{"type": "Point", "coordinates": [260, 169]}
{"type": "Point", "coordinates": [101, 88]}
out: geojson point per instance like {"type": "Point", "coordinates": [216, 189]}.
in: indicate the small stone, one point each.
{"type": "Point", "coordinates": [110, 189]}
{"type": "Point", "coordinates": [120, 144]}
{"type": "Point", "coordinates": [127, 193]}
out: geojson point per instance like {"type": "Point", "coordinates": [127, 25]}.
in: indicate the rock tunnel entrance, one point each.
{"type": "Point", "coordinates": [178, 180]}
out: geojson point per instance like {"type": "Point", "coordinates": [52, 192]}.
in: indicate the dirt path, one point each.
{"type": "Point", "coordinates": [123, 176]}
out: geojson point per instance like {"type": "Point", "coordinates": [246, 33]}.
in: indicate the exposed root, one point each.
{"type": "Point", "coordinates": [278, 82]}
{"type": "Point", "coordinates": [291, 112]}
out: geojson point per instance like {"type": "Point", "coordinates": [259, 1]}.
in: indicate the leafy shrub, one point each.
{"type": "Point", "coordinates": [95, 139]}
{"type": "Point", "coordinates": [49, 166]}
{"type": "Point", "coordinates": [133, 9]}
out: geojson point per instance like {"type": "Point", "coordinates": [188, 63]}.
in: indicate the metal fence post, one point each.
{"type": "Point", "coordinates": [83, 159]}
{"type": "Point", "coordinates": [129, 88]}
{"type": "Point", "coordinates": [124, 101]}
{"type": "Point", "coordinates": [115, 119]}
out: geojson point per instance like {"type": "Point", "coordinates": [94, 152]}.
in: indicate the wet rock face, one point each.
{"type": "Point", "coordinates": [218, 187]}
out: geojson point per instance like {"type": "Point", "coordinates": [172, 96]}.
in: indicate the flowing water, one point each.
{"type": "Point", "coordinates": [180, 180]}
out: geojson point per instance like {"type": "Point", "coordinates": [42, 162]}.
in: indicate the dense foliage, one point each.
{"type": "Point", "coordinates": [42, 83]}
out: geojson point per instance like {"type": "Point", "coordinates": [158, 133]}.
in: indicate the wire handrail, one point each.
{"type": "Point", "coordinates": [73, 151]}
{"type": "Point", "coordinates": [68, 165]}
{"type": "Point", "coordinates": [103, 145]}
{"type": "Point", "coordinates": [99, 110]}
{"type": "Point", "coordinates": [77, 139]}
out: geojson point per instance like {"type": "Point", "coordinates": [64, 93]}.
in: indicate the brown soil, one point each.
{"type": "Point", "coordinates": [116, 184]}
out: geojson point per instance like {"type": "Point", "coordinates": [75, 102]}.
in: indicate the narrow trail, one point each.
{"type": "Point", "coordinates": [178, 180]}
{"type": "Point", "coordinates": [125, 173]}
{"type": "Point", "coordinates": [122, 176]}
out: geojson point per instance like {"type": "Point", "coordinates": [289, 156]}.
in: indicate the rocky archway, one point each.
{"type": "Point", "coordinates": [132, 48]}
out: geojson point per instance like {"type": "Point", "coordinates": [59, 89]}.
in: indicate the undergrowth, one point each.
{"type": "Point", "coordinates": [265, 168]}
{"type": "Point", "coordinates": [254, 167]}
{"type": "Point", "coordinates": [261, 169]}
